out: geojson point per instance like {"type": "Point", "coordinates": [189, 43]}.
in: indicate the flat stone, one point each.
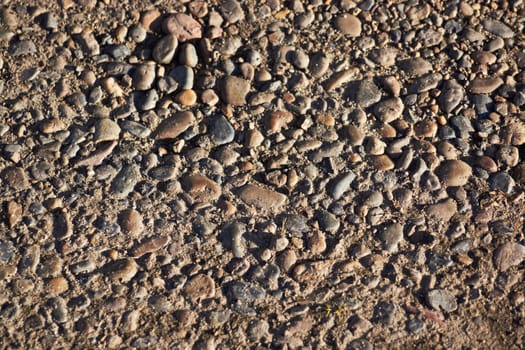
{"type": "Point", "coordinates": [498, 28]}
{"type": "Point", "coordinates": [391, 236]}
{"type": "Point", "coordinates": [443, 210]}
{"type": "Point", "coordinates": [485, 85]}
{"type": "Point", "coordinates": [508, 255]}
{"type": "Point", "coordinates": [186, 97]}
{"type": "Point", "coordinates": [262, 198]}
{"type": "Point", "coordinates": [425, 83]}
{"type": "Point", "coordinates": [51, 126]}
{"type": "Point", "coordinates": [106, 130]}
{"type": "Point", "coordinates": [382, 162]}
{"type": "Point", "coordinates": [88, 43]}
{"type": "Point", "coordinates": [15, 178]}
{"type": "Point", "coordinates": [454, 172]}
{"type": "Point", "coordinates": [125, 181]}
{"type": "Point", "coordinates": [122, 270]}
{"type": "Point", "coordinates": [349, 25]}
{"type": "Point", "coordinates": [199, 288]}
{"type": "Point", "coordinates": [442, 299]}
{"type": "Point", "coordinates": [14, 213]}
{"type": "Point", "coordinates": [174, 126]}
{"type": "Point", "coordinates": [415, 66]}
{"type": "Point", "coordinates": [234, 90]}
{"type": "Point", "coordinates": [164, 50]}
{"type": "Point", "coordinates": [367, 93]}
{"type": "Point", "coordinates": [389, 110]}
{"type": "Point", "coordinates": [98, 156]}
{"type": "Point", "coordinates": [340, 78]}
{"type": "Point", "coordinates": [222, 132]}
{"type": "Point", "coordinates": [201, 188]}
{"type": "Point", "coordinates": [182, 26]}
{"type": "Point", "coordinates": [385, 56]}
{"type": "Point", "coordinates": [23, 47]}
{"type": "Point", "coordinates": [149, 245]}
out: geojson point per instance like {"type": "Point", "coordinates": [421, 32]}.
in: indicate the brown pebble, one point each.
{"type": "Point", "coordinates": [186, 97]}
{"type": "Point", "coordinates": [200, 287]}
{"type": "Point", "coordinates": [443, 210]}
{"type": "Point", "coordinates": [122, 270]}
{"type": "Point", "coordinates": [14, 213]}
{"type": "Point", "coordinates": [130, 222]}
{"type": "Point", "coordinates": [278, 119]}
{"type": "Point", "coordinates": [349, 24]}
{"type": "Point", "coordinates": [174, 126]}
{"type": "Point", "coordinates": [57, 285]}
{"type": "Point", "coordinates": [183, 26]}
{"type": "Point", "coordinates": [485, 85]}
{"type": "Point", "coordinates": [149, 245]}
{"type": "Point", "coordinates": [382, 162]}
{"type": "Point", "coordinates": [261, 197]}
{"type": "Point", "coordinates": [508, 255]}
{"type": "Point", "coordinates": [201, 188]}
{"type": "Point", "coordinates": [454, 172]}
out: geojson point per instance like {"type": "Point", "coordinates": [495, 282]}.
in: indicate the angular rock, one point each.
{"type": "Point", "coordinates": [508, 255]}
{"type": "Point", "coordinates": [367, 93]}
{"type": "Point", "coordinates": [451, 96]}
{"type": "Point", "coordinates": [389, 110]}
{"type": "Point", "coordinates": [485, 85]}
{"type": "Point", "coordinates": [199, 287]}
{"type": "Point", "coordinates": [125, 181]}
{"type": "Point", "coordinates": [442, 299]}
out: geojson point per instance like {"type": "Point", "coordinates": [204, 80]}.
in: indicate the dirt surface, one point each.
{"type": "Point", "coordinates": [262, 174]}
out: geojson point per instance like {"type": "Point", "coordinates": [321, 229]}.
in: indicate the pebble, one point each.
{"type": "Point", "coordinates": [201, 188]}
{"type": "Point", "coordinates": [454, 173]}
{"type": "Point", "coordinates": [451, 96]}
{"type": "Point", "coordinates": [349, 25]}
{"type": "Point", "coordinates": [382, 162]}
{"type": "Point", "coordinates": [389, 110]}
{"type": "Point", "coordinates": [244, 297]}
{"type": "Point", "coordinates": [149, 245]}
{"type": "Point", "coordinates": [497, 28]}
{"type": "Point", "coordinates": [443, 210]}
{"type": "Point", "coordinates": [425, 83]}
{"type": "Point", "coordinates": [199, 287]}
{"type": "Point", "coordinates": [106, 130]}
{"type": "Point", "coordinates": [391, 236]}
{"type": "Point", "coordinates": [14, 213]}
{"type": "Point", "coordinates": [221, 131]}
{"type": "Point", "coordinates": [234, 90]}
{"type": "Point", "coordinates": [261, 197]}
{"type": "Point", "coordinates": [62, 226]}
{"type": "Point", "coordinates": [134, 128]}
{"type": "Point", "coordinates": [367, 93]}
{"type": "Point", "coordinates": [59, 310]}
{"type": "Point", "coordinates": [502, 181]}
{"type": "Point", "coordinates": [415, 66]}
{"type": "Point", "coordinates": [146, 100]}
{"type": "Point", "coordinates": [340, 78]}
{"type": "Point", "coordinates": [143, 76]}
{"type": "Point", "coordinates": [232, 11]}
{"type": "Point", "coordinates": [125, 181]}
{"type": "Point", "coordinates": [173, 126]}
{"type": "Point", "coordinates": [442, 299]}
{"type": "Point", "coordinates": [184, 76]}
{"type": "Point", "coordinates": [319, 64]}
{"type": "Point", "coordinates": [328, 221]}
{"type": "Point", "coordinates": [188, 55]}
{"type": "Point", "coordinates": [385, 56]}
{"type": "Point", "coordinates": [56, 286]}
{"type": "Point", "coordinates": [122, 270]}
{"type": "Point", "coordinates": [182, 26]}
{"type": "Point", "coordinates": [341, 185]}
{"type": "Point", "coordinates": [186, 98]}
{"type": "Point", "coordinates": [89, 44]}
{"type": "Point", "coordinates": [164, 50]}
{"type": "Point", "coordinates": [485, 85]}
{"type": "Point", "coordinates": [235, 232]}
{"type": "Point", "coordinates": [15, 178]}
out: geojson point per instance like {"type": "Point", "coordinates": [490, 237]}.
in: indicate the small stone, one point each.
{"type": "Point", "coordinates": [502, 182]}
{"type": "Point", "coordinates": [106, 130]}
{"type": "Point", "coordinates": [443, 210]}
{"type": "Point", "coordinates": [340, 78]}
{"type": "Point", "coordinates": [88, 43]}
{"type": "Point", "coordinates": [262, 198]}
{"type": "Point", "coordinates": [442, 299]}
{"type": "Point", "coordinates": [367, 93]}
{"type": "Point", "coordinates": [453, 173]}
{"type": "Point", "coordinates": [498, 28]}
{"type": "Point", "coordinates": [232, 11]}
{"type": "Point", "coordinates": [317, 243]}
{"type": "Point", "coordinates": [425, 83]}
{"type": "Point", "coordinates": [426, 128]}
{"type": "Point", "coordinates": [186, 97]}
{"type": "Point", "coordinates": [149, 245]}
{"type": "Point", "coordinates": [300, 59]}
{"type": "Point", "coordinates": [384, 313]}
{"type": "Point", "coordinates": [23, 47]}
{"type": "Point", "coordinates": [235, 232]}
{"type": "Point", "coordinates": [14, 213]}
{"type": "Point", "coordinates": [348, 24]}
{"type": "Point", "coordinates": [276, 120]}
{"type": "Point", "coordinates": [257, 330]}
{"type": "Point", "coordinates": [385, 56]}
{"type": "Point", "coordinates": [199, 288]}
{"type": "Point", "coordinates": [62, 226]}
{"type": "Point", "coordinates": [508, 255]}
{"type": "Point", "coordinates": [389, 110]}
{"type": "Point", "coordinates": [209, 97]}
{"type": "Point", "coordinates": [183, 27]}
{"type": "Point", "coordinates": [244, 297]}
{"type": "Point", "coordinates": [51, 126]}
{"type": "Point", "coordinates": [184, 76]}
{"type": "Point", "coordinates": [254, 138]}
{"type": "Point", "coordinates": [15, 178]}
{"type": "Point", "coordinates": [451, 96]}
{"type": "Point", "coordinates": [222, 132]}
{"type": "Point", "coordinates": [188, 55]}
{"type": "Point", "coordinates": [391, 236]}
{"type": "Point", "coordinates": [342, 184]}
{"type": "Point", "coordinates": [59, 310]}
{"type": "Point", "coordinates": [319, 64]}
{"type": "Point", "coordinates": [56, 286]}
{"type": "Point", "coordinates": [125, 181]}
{"type": "Point", "coordinates": [415, 66]}
{"type": "Point", "coordinates": [174, 126]}
{"type": "Point", "coordinates": [201, 188]}
{"type": "Point", "coordinates": [122, 270]}
{"type": "Point", "coordinates": [135, 129]}
{"type": "Point", "coordinates": [234, 90]}
{"type": "Point", "coordinates": [143, 76]}
{"type": "Point", "coordinates": [146, 100]}
{"type": "Point", "coordinates": [328, 221]}
{"type": "Point", "coordinates": [485, 85]}
{"type": "Point", "coordinates": [382, 162]}
{"type": "Point", "coordinates": [164, 49]}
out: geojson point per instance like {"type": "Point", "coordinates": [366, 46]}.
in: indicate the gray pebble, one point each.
{"type": "Point", "coordinates": [59, 310]}
{"type": "Point", "coordinates": [164, 49]}
{"type": "Point", "coordinates": [221, 130]}
{"type": "Point", "coordinates": [367, 93]}
{"type": "Point", "coordinates": [23, 47]}
{"type": "Point", "coordinates": [143, 76]}
{"type": "Point", "coordinates": [145, 100]}
{"type": "Point", "coordinates": [125, 181]}
{"type": "Point", "coordinates": [342, 184]}
{"type": "Point", "coordinates": [137, 33]}
{"type": "Point", "coordinates": [134, 128]}
{"type": "Point", "coordinates": [328, 221]}
{"type": "Point", "coordinates": [502, 182]}
{"type": "Point", "coordinates": [184, 76]}
{"type": "Point", "coordinates": [188, 55]}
